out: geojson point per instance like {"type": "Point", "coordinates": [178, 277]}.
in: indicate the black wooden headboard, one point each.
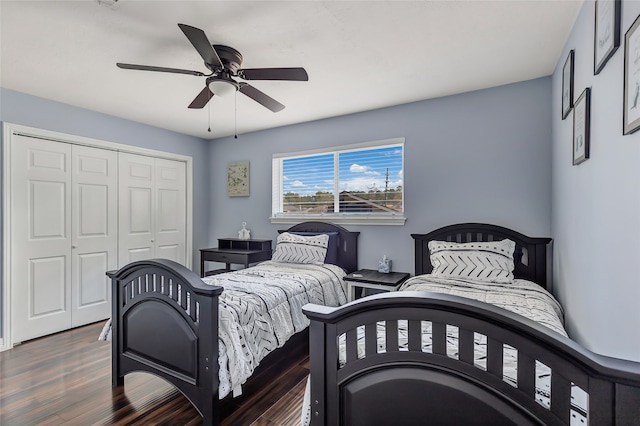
{"type": "Point", "coordinates": [530, 255]}
{"type": "Point", "coordinates": [347, 241]}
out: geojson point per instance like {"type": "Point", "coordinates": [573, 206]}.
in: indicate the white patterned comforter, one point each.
{"type": "Point", "coordinates": [522, 297]}
{"type": "Point", "coordinates": [261, 308]}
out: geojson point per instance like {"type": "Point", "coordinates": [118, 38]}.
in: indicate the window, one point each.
{"type": "Point", "coordinates": [354, 184]}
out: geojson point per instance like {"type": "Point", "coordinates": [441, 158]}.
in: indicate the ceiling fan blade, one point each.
{"type": "Point", "coordinates": [202, 99]}
{"type": "Point", "coordinates": [199, 39]}
{"type": "Point", "coordinates": [260, 97]}
{"type": "Point", "coordinates": [291, 74]}
{"type": "Point", "coordinates": [159, 69]}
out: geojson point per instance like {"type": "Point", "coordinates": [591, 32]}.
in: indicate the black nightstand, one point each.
{"type": "Point", "coordinates": [368, 278]}
{"type": "Point", "coordinates": [234, 250]}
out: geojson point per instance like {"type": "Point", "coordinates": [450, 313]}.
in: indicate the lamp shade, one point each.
{"type": "Point", "coordinates": [222, 87]}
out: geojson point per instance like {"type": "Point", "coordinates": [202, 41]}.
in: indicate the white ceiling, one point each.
{"type": "Point", "coordinates": [360, 55]}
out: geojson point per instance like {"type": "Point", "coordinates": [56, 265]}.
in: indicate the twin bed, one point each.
{"type": "Point", "coordinates": [169, 322]}
{"type": "Point", "coordinates": [424, 357]}
{"type": "Point", "coordinates": [410, 357]}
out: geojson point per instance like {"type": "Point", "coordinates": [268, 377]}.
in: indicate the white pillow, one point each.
{"type": "Point", "coordinates": [291, 248]}
{"type": "Point", "coordinates": [480, 261]}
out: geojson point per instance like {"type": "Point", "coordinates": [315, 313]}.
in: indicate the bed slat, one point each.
{"type": "Point", "coordinates": [415, 335]}
{"type": "Point", "coordinates": [466, 346]}
{"type": "Point", "coordinates": [352, 345]}
{"type": "Point", "coordinates": [370, 339]}
{"type": "Point", "coordinates": [439, 338]}
{"type": "Point", "coordinates": [561, 397]}
{"type": "Point", "coordinates": [526, 374]}
{"type": "Point", "coordinates": [600, 402]}
{"type": "Point", "coordinates": [391, 337]}
{"type": "Point", "coordinates": [495, 357]}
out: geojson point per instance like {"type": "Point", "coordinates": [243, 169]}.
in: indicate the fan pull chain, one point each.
{"type": "Point", "coordinates": [209, 112]}
{"type": "Point", "coordinates": [235, 115]}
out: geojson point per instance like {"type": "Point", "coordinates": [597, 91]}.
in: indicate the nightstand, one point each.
{"type": "Point", "coordinates": [234, 250]}
{"type": "Point", "coordinates": [368, 278]}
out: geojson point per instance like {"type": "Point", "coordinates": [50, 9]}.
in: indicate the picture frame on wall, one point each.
{"type": "Point", "coordinates": [581, 127]}
{"type": "Point", "coordinates": [238, 179]}
{"type": "Point", "coordinates": [631, 111]}
{"type": "Point", "coordinates": [567, 85]}
{"type": "Point", "coordinates": [606, 35]}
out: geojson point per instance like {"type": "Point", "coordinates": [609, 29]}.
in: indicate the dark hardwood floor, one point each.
{"type": "Point", "coordinates": [65, 379]}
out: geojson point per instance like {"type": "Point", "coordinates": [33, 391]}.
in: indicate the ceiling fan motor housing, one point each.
{"type": "Point", "coordinates": [230, 58]}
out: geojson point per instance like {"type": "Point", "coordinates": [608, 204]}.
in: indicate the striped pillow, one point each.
{"type": "Point", "coordinates": [480, 261]}
{"type": "Point", "coordinates": [291, 248]}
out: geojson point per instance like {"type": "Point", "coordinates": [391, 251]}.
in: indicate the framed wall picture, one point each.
{"type": "Point", "coordinates": [567, 85]}
{"type": "Point", "coordinates": [581, 124]}
{"type": "Point", "coordinates": [238, 179]}
{"type": "Point", "coordinates": [631, 112]}
{"type": "Point", "coordinates": [606, 36]}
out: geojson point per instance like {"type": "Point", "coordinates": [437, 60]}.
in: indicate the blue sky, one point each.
{"type": "Point", "coordinates": [359, 171]}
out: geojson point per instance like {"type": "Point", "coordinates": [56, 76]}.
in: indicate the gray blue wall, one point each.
{"type": "Point", "coordinates": [19, 108]}
{"type": "Point", "coordinates": [482, 156]}
{"type": "Point", "coordinates": [596, 205]}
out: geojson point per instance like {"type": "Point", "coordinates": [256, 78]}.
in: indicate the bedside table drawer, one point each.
{"type": "Point", "coordinates": [223, 257]}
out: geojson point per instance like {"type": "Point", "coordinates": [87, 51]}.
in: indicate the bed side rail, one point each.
{"type": "Point", "coordinates": [609, 387]}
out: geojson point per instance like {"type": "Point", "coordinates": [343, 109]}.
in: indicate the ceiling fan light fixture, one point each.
{"type": "Point", "coordinates": [222, 87]}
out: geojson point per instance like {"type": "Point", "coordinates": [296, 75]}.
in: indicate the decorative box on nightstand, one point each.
{"type": "Point", "coordinates": [368, 278]}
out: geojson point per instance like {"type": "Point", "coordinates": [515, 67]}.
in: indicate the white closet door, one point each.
{"type": "Point", "coordinates": [152, 209]}
{"type": "Point", "coordinates": [41, 237]}
{"type": "Point", "coordinates": [136, 208]}
{"type": "Point", "coordinates": [94, 246]}
{"type": "Point", "coordinates": [171, 210]}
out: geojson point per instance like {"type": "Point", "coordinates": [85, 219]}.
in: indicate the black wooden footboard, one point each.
{"type": "Point", "coordinates": [405, 385]}
{"type": "Point", "coordinates": [165, 322]}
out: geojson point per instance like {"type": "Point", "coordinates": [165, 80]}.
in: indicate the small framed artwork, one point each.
{"type": "Point", "coordinates": [606, 37]}
{"type": "Point", "coordinates": [631, 112]}
{"type": "Point", "coordinates": [581, 121]}
{"type": "Point", "coordinates": [567, 85]}
{"type": "Point", "coordinates": [238, 179]}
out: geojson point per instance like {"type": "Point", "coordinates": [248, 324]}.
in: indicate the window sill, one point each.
{"type": "Point", "coordinates": [341, 219]}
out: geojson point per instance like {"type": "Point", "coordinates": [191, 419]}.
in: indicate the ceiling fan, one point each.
{"type": "Point", "coordinates": [224, 63]}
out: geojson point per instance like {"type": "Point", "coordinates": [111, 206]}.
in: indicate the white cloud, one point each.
{"type": "Point", "coordinates": [356, 168]}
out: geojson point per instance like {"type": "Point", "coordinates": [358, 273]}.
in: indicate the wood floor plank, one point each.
{"type": "Point", "coordinates": [287, 410]}
{"type": "Point", "coordinates": [65, 379]}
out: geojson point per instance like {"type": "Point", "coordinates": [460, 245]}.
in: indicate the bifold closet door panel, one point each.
{"type": "Point", "coordinates": [171, 210]}
{"type": "Point", "coordinates": [136, 226]}
{"type": "Point", "coordinates": [152, 209]}
{"type": "Point", "coordinates": [40, 237]}
{"type": "Point", "coordinates": [94, 245]}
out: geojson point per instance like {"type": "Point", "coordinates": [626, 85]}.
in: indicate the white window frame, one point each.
{"type": "Point", "coordinates": [277, 217]}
